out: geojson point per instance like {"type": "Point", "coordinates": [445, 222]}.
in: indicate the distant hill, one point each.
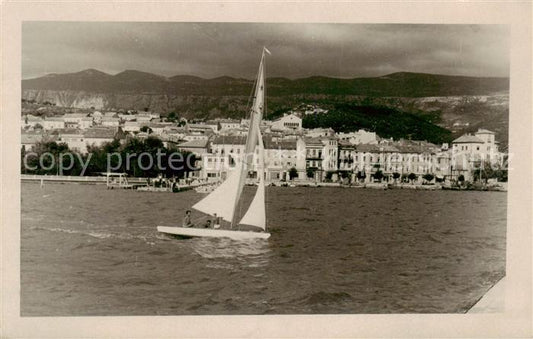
{"type": "Point", "coordinates": [457, 103]}
{"type": "Point", "coordinates": [393, 85]}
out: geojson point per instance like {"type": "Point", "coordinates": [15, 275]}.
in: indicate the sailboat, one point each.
{"type": "Point", "coordinates": [224, 200]}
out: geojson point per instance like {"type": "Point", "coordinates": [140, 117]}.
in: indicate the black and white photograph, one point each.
{"type": "Point", "coordinates": [220, 168]}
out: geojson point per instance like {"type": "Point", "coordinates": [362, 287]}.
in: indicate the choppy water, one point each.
{"type": "Point", "coordinates": [86, 250]}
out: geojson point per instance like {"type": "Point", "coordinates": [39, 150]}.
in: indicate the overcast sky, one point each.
{"type": "Point", "coordinates": [298, 50]}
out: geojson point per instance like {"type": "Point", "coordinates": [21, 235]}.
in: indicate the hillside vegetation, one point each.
{"type": "Point", "coordinates": [386, 122]}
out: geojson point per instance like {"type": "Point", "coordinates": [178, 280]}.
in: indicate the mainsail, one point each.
{"type": "Point", "coordinates": [224, 201]}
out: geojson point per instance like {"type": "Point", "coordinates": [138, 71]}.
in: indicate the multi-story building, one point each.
{"type": "Point", "coordinates": [470, 151]}
{"type": "Point", "coordinates": [229, 124]}
{"type": "Point", "coordinates": [287, 122]}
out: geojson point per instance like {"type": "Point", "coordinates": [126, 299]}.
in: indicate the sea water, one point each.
{"type": "Point", "coordinates": [86, 250]}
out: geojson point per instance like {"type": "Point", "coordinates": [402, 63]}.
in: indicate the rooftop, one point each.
{"type": "Point", "coordinates": [100, 133]}
{"type": "Point", "coordinates": [195, 144]}
{"type": "Point", "coordinates": [467, 138]}
{"type": "Point", "coordinates": [229, 140]}
{"type": "Point", "coordinates": [484, 131]}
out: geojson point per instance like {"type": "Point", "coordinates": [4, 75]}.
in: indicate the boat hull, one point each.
{"type": "Point", "coordinates": [212, 233]}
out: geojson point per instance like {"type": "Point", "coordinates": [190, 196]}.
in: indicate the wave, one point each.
{"type": "Point", "coordinates": [97, 234]}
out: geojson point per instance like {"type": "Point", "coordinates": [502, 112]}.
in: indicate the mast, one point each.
{"type": "Point", "coordinates": [256, 114]}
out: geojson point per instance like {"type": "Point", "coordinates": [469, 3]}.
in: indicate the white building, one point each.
{"type": "Point", "coordinates": [287, 122]}
{"type": "Point", "coordinates": [470, 151]}
{"type": "Point", "coordinates": [229, 124]}
{"type": "Point", "coordinates": [110, 121]}
{"type": "Point", "coordinates": [50, 123]}
{"type": "Point", "coordinates": [85, 123]}
{"type": "Point", "coordinates": [319, 132]}
{"type": "Point", "coordinates": [97, 136]}
{"type": "Point", "coordinates": [73, 137]}
{"type": "Point", "coordinates": [132, 126]}
{"type": "Point", "coordinates": [359, 137]}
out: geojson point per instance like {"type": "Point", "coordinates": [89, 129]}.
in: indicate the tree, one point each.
{"type": "Point", "coordinates": [146, 129]}
{"type": "Point", "coordinates": [172, 117]}
{"type": "Point", "coordinates": [378, 175]}
{"type": "Point", "coordinates": [396, 176]}
{"type": "Point", "coordinates": [412, 177]}
{"type": "Point", "coordinates": [461, 179]}
{"type": "Point", "coordinates": [293, 173]}
{"type": "Point", "coordinates": [428, 177]}
{"type": "Point", "coordinates": [310, 173]}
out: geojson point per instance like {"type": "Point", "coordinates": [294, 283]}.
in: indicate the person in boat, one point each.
{"type": "Point", "coordinates": [216, 221]}
{"type": "Point", "coordinates": [207, 223]}
{"type": "Point", "coordinates": [187, 220]}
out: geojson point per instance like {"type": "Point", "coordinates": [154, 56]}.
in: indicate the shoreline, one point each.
{"type": "Point", "coordinates": [140, 181]}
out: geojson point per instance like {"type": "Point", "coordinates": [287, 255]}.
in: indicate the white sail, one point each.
{"type": "Point", "coordinates": [222, 200]}
{"type": "Point", "coordinates": [256, 115]}
{"type": "Point", "coordinates": [256, 214]}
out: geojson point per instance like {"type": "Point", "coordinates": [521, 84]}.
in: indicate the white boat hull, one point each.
{"type": "Point", "coordinates": [213, 233]}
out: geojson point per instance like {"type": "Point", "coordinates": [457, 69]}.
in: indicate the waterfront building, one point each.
{"type": "Point", "coordinates": [470, 151]}
{"type": "Point", "coordinates": [313, 158]}
{"type": "Point", "coordinates": [403, 157]}
{"type": "Point", "coordinates": [280, 156]}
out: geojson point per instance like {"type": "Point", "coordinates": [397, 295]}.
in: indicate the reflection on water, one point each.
{"type": "Point", "coordinates": [86, 250]}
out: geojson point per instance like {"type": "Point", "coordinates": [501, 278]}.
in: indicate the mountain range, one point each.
{"type": "Point", "coordinates": [457, 103]}
{"type": "Point", "coordinates": [401, 84]}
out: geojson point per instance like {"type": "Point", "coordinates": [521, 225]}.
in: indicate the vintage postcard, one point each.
{"type": "Point", "coordinates": [266, 170]}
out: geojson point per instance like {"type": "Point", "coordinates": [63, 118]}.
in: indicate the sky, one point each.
{"type": "Point", "coordinates": [210, 50]}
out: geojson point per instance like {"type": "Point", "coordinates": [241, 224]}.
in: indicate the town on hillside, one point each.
{"type": "Point", "coordinates": [292, 153]}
